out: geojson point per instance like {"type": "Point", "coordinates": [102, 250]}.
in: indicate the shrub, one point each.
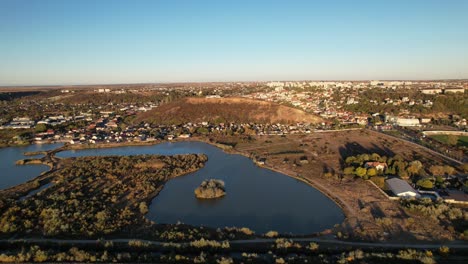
{"type": "Point", "coordinates": [425, 183]}
{"type": "Point", "coordinates": [313, 246]}
{"type": "Point", "coordinates": [271, 234]}
{"type": "Point", "coordinates": [246, 231]}
{"type": "Point", "coordinates": [444, 250]}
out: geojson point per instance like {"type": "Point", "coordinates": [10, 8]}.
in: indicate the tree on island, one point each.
{"type": "Point", "coordinates": [210, 189]}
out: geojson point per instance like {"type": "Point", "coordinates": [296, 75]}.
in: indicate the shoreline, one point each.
{"type": "Point", "coordinates": [351, 214]}
{"type": "Point", "coordinates": [229, 150]}
{"type": "Point", "coordinates": [226, 149]}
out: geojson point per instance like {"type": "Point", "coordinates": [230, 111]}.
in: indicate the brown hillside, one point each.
{"type": "Point", "coordinates": [225, 110]}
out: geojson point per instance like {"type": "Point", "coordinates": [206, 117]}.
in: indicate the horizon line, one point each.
{"type": "Point", "coordinates": [231, 81]}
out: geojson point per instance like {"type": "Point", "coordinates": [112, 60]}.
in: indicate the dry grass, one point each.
{"type": "Point", "coordinates": [218, 110]}
{"type": "Point", "coordinates": [370, 215]}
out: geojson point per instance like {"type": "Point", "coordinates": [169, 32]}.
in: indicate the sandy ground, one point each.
{"type": "Point", "coordinates": [370, 215]}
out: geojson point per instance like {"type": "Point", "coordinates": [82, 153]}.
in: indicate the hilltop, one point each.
{"type": "Point", "coordinates": [219, 110]}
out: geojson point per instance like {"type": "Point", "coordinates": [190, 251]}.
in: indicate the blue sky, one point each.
{"type": "Point", "coordinates": [86, 42]}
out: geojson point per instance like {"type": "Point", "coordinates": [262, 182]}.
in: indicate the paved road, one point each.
{"type": "Point", "coordinates": [420, 146]}
{"type": "Point", "coordinates": [333, 242]}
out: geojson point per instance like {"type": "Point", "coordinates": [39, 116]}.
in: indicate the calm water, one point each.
{"type": "Point", "coordinates": [257, 198]}
{"type": "Point", "coordinates": [12, 174]}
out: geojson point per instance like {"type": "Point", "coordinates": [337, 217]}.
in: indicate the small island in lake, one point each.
{"type": "Point", "coordinates": [210, 189]}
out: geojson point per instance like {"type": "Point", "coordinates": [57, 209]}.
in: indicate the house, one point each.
{"type": "Point", "coordinates": [303, 160]}
{"type": "Point", "coordinates": [401, 188]}
{"type": "Point", "coordinates": [260, 161]}
{"type": "Point", "coordinates": [377, 165]}
{"type": "Point", "coordinates": [425, 120]}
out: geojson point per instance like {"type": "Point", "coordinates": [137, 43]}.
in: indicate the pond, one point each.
{"type": "Point", "coordinates": [257, 198]}
{"type": "Point", "coordinates": [12, 174]}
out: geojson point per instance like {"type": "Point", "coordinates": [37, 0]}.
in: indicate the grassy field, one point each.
{"type": "Point", "coordinates": [462, 140]}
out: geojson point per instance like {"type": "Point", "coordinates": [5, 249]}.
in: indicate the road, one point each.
{"type": "Point", "coordinates": [420, 146]}
{"type": "Point", "coordinates": [331, 242]}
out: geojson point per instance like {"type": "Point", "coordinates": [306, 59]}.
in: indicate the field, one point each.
{"type": "Point", "coordinates": [461, 142]}
{"type": "Point", "coordinates": [220, 110]}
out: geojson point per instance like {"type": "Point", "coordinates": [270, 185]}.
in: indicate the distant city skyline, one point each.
{"type": "Point", "coordinates": [53, 42]}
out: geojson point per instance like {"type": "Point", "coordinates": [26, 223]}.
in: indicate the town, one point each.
{"type": "Point", "coordinates": [233, 131]}
{"type": "Point", "coordinates": [53, 115]}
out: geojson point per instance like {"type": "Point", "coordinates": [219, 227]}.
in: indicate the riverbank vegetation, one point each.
{"type": "Point", "coordinates": [92, 196]}
{"type": "Point", "coordinates": [453, 218]}
{"type": "Point", "coordinates": [204, 251]}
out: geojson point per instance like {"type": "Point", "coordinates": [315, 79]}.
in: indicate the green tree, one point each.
{"type": "Point", "coordinates": [449, 170]}
{"type": "Point", "coordinates": [390, 170]}
{"type": "Point", "coordinates": [202, 130]}
{"type": "Point", "coordinates": [379, 181]}
{"type": "Point", "coordinates": [403, 174]}
{"type": "Point", "coordinates": [40, 128]}
{"type": "Point", "coordinates": [464, 167]}
{"type": "Point", "coordinates": [425, 183]}
{"type": "Point", "coordinates": [350, 160]}
{"type": "Point", "coordinates": [414, 167]}
{"type": "Point", "coordinates": [398, 158]}
{"type": "Point", "coordinates": [361, 172]}
{"type": "Point", "coordinates": [440, 180]}
{"type": "Point", "coordinates": [436, 170]}
{"type": "Point", "coordinates": [143, 208]}
{"type": "Point", "coordinates": [371, 172]}
{"type": "Point", "coordinates": [348, 170]}
{"type": "Point", "coordinates": [452, 140]}
{"type": "Point", "coordinates": [365, 157]}
{"type": "Point", "coordinates": [375, 157]}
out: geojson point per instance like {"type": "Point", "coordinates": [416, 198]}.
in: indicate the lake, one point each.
{"type": "Point", "coordinates": [12, 174]}
{"type": "Point", "coordinates": [257, 198]}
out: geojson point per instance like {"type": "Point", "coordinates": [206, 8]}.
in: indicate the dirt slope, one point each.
{"type": "Point", "coordinates": [225, 110]}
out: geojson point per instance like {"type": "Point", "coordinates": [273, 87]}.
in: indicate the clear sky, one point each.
{"type": "Point", "coordinates": [86, 42]}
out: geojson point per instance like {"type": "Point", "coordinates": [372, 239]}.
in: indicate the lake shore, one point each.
{"type": "Point", "coordinates": [361, 202]}
{"type": "Point", "coordinates": [226, 148]}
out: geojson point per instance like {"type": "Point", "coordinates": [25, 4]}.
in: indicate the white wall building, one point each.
{"type": "Point", "coordinates": [407, 122]}
{"type": "Point", "coordinates": [401, 188]}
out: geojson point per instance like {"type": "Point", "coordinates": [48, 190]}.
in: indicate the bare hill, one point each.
{"type": "Point", "coordinates": [219, 110]}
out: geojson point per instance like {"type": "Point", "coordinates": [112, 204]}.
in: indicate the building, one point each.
{"type": "Point", "coordinates": [431, 91]}
{"type": "Point", "coordinates": [407, 122]}
{"type": "Point", "coordinates": [375, 164]}
{"type": "Point", "coordinates": [401, 188]}
{"type": "Point", "coordinates": [425, 120]}
{"type": "Point", "coordinates": [454, 90]}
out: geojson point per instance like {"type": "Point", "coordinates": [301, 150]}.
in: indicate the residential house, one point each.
{"type": "Point", "coordinates": [375, 164]}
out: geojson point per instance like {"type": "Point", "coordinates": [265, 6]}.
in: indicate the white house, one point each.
{"type": "Point", "coordinates": [401, 188]}
{"type": "Point", "coordinates": [377, 165]}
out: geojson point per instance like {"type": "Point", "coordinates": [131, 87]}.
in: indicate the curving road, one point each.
{"type": "Point", "coordinates": [332, 242]}
{"type": "Point", "coordinates": [420, 146]}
